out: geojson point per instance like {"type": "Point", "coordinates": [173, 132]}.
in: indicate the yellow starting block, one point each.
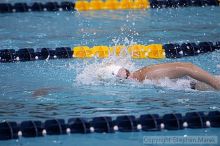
{"type": "Point", "coordinates": [83, 52]}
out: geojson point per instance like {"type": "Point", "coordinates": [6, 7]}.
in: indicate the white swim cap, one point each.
{"type": "Point", "coordinates": [112, 69]}
{"type": "Point", "coordinates": [115, 69]}
{"type": "Point", "coordinates": [107, 72]}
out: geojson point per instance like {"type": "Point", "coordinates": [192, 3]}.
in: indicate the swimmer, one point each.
{"type": "Point", "coordinates": [203, 80]}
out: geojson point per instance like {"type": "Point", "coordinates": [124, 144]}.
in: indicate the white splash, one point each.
{"type": "Point", "coordinates": [177, 84]}
{"type": "Point", "coordinates": [104, 71]}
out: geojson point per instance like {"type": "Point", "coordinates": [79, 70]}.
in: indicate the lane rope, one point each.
{"type": "Point", "coordinates": [84, 5]}
{"type": "Point", "coordinates": [126, 123]}
{"type": "Point", "coordinates": [136, 51]}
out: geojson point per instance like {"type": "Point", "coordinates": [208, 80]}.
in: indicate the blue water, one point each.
{"type": "Point", "coordinates": [71, 99]}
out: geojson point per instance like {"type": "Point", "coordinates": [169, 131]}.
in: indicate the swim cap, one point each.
{"type": "Point", "coordinates": [114, 69]}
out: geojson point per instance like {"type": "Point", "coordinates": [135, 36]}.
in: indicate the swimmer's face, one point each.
{"type": "Point", "coordinates": [123, 73]}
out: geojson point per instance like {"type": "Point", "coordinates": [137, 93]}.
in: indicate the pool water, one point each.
{"type": "Point", "coordinates": [75, 95]}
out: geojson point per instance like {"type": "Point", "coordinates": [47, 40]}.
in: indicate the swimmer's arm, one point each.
{"type": "Point", "coordinates": [174, 71]}
{"type": "Point", "coordinates": [141, 74]}
{"type": "Point", "coordinates": [205, 87]}
{"type": "Point", "coordinates": [156, 72]}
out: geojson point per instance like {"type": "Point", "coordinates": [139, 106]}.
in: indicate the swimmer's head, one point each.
{"type": "Point", "coordinates": [117, 71]}
{"type": "Point", "coordinates": [123, 73]}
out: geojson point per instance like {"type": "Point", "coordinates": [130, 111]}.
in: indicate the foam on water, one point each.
{"type": "Point", "coordinates": [177, 84]}
{"type": "Point", "coordinates": [104, 71]}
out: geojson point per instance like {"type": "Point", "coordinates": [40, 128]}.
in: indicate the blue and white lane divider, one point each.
{"type": "Point", "coordinates": [128, 123]}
